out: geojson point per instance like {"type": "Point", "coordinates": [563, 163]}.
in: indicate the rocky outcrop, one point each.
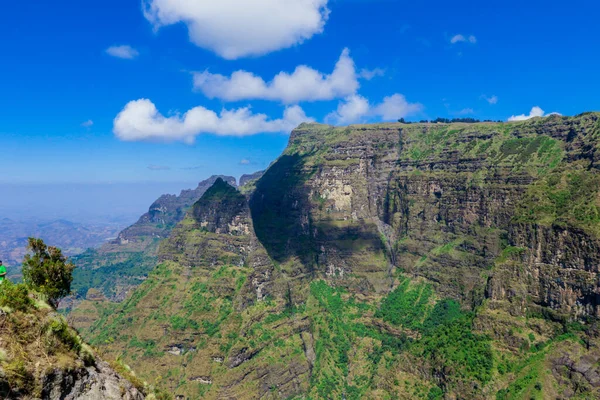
{"type": "Point", "coordinates": [122, 264]}
{"type": "Point", "coordinates": [167, 211]}
{"type": "Point", "coordinates": [99, 382]}
{"type": "Point", "coordinates": [41, 357]}
{"type": "Point", "coordinates": [249, 178]}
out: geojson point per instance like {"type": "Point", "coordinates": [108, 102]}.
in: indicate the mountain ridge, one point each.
{"type": "Point", "coordinates": [123, 263]}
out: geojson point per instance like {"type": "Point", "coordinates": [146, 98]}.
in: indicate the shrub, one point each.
{"type": "Point", "coordinates": [19, 379]}
{"type": "Point", "coordinates": [62, 332]}
{"type": "Point", "coordinates": [407, 305]}
{"type": "Point", "coordinates": [47, 271]}
{"type": "Point", "coordinates": [15, 296]}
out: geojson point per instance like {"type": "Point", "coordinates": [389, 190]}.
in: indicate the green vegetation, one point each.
{"type": "Point", "coordinates": [454, 347]}
{"type": "Point", "coordinates": [118, 269]}
{"type": "Point", "coordinates": [568, 197]}
{"type": "Point", "coordinates": [47, 271]}
{"type": "Point", "coordinates": [447, 339]}
{"type": "Point", "coordinates": [407, 306]}
{"type": "Point", "coordinates": [15, 297]}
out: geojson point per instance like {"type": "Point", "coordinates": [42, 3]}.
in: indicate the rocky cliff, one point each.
{"type": "Point", "coordinates": [384, 261]}
{"type": "Point", "coordinates": [122, 264]}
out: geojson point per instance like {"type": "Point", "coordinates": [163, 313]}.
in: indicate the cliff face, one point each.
{"type": "Point", "coordinates": [122, 264]}
{"type": "Point", "coordinates": [407, 260]}
{"type": "Point", "coordinates": [167, 211]}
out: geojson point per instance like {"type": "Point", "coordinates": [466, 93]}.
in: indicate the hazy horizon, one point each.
{"type": "Point", "coordinates": [83, 202]}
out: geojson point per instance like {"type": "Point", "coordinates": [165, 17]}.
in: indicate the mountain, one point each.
{"type": "Point", "coordinates": [383, 261]}
{"type": "Point", "coordinates": [250, 178]}
{"type": "Point", "coordinates": [124, 262]}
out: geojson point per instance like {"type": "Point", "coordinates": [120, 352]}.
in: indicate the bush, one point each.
{"type": "Point", "coordinates": [58, 333]}
{"type": "Point", "coordinates": [47, 271]}
{"type": "Point", "coordinates": [15, 296]}
{"type": "Point", "coordinates": [407, 305]}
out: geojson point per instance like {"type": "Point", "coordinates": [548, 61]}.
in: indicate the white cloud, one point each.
{"type": "Point", "coordinates": [87, 124]}
{"type": "Point", "coordinates": [352, 109]}
{"type": "Point", "coordinates": [124, 51]}
{"type": "Point", "coordinates": [396, 106]}
{"type": "Point", "coordinates": [492, 100]}
{"type": "Point", "coordinates": [535, 112]}
{"type": "Point", "coordinates": [304, 84]}
{"type": "Point", "coordinates": [457, 38]}
{"type": "Point", "coordinates": [462, 38]}
{"type": "Point", "coordinates": [369, 74]}
{"type": "Point", "coordinates": [245, 161]}
{"type": "Point", "coordinates": [140, 120]}
{"type": "Point", "coordinates": [240, 28]}
{"type": "Point", "coordinates": [356, 108]}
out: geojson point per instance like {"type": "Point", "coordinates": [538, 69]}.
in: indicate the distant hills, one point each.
{"type": "Point", "coordinates": [74, 238]}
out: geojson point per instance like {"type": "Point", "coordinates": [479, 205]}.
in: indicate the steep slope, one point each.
{"type": "Point", "coordinates": [123, 263]}
{"type": "Point", "coordinates": [384, 261]}
{"type": "Point", "coordinates": [41, 357]}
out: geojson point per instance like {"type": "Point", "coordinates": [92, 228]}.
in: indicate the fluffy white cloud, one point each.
{"type": "Point", "coordinates": [87, 124]}
{"type": "Point", "coordinates": [462, 38]}
{"type": "Point", "coordinates": [357, 108]}
{"type": "Point", "coordinates": [492, 100]}
{"type": "Point", "coordinates": [244, 161]}
{"type": "Point", "coordinates": [535, 112]}
{"type": "Point", "coordinates": [352, 109]}
{"type": "Point", "coordinates": [140, 120]}
{"type": "Point", "coordinates": [304, 84]}
{"type": "Point", "coordinates": [239, 28]}
{"type": "Point", "coordinates": [124, 51]}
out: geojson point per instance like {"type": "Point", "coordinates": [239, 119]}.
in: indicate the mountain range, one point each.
{"type": "Point", "coordinates": [423, 260]}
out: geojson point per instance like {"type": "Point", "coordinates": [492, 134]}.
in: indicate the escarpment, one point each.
{"type": "Point", "coordinates": [391, 260]}
{"type": "Point", "coordinates": [123, 263]}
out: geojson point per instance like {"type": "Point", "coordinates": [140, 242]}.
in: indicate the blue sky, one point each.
{"type": "Point", "coordinates": [96, 92]}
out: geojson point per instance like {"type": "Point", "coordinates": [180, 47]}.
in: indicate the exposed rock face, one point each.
{"type": "Point", "coordinates": [496, 222]}
{"type": "Point", "coordinates": [92, 383]}
{"type": "Point", "coordinates": [167, 211]}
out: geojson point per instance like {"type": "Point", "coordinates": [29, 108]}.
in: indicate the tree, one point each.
{"type": "Point", "coordinates": [47, 271]}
